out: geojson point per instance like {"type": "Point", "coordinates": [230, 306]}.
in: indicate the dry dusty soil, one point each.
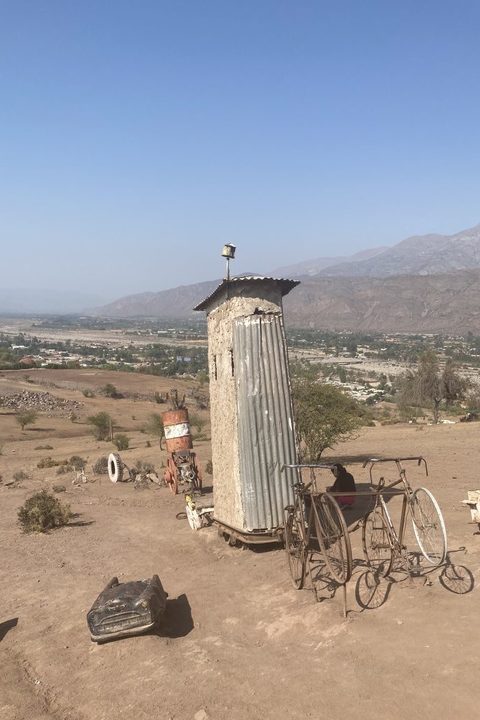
{"type": "Point", "coordinates": [238, 641]}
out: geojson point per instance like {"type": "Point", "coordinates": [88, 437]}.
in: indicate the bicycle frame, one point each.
{"type": "Point", "coordinates": [302, 490]}
{"type": "Point", "coordinates": [396, 538]}
{"type": "Point", "coordinates": [323, 520]}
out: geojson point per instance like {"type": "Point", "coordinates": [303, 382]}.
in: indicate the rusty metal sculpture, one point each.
{"type": "Point", "coordinates": [182, 468]}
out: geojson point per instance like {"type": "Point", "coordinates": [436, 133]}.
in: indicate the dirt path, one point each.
{"type": "Point", "coordinates": [238, 641]}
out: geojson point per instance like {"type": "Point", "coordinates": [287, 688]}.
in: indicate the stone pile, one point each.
{"type": "Point", "coordinates": [42, 402]}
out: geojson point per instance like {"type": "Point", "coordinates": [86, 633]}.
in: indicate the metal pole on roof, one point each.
{"type": "Point", "coordinates": [228, 253]}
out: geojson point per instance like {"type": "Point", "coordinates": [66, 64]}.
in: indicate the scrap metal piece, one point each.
{"type": "Point", "coordinates": [124, 609]}
{"type": "Point", "coordinates": [197, 515]}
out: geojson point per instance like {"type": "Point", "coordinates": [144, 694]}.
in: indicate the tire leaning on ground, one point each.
{"type": "Point", "coordinates": [115, 468]}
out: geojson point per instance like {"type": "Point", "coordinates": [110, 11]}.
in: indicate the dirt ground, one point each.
{"type": "Point", "coordinates": [238, 640]}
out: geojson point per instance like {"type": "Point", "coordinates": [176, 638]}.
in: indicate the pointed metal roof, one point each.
{"type": "Point", "coordinates": [283, 284]}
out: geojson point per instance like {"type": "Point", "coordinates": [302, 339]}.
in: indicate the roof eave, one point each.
{"type": "Point", "coordinates": [285, 284]}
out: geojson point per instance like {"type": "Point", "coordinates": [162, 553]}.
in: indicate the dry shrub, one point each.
{"type": "Point", "coordinates": [49, 462]}
{"type": "Point", "coordinates": [100, 466]}
{"type": "Point", "coordinates": [77, 462]}
{"type": "Point", "coordinates": [121, 441]}
{"type": "Point", "coordinates": [42, 512]}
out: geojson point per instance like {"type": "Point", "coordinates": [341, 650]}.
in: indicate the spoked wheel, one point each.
{"type": "Point", "coordinates": [333, 538]}
{"type": "Point", "coordinates": [428, 526]}
{"type": "Point", "coordinates": [377, 547]}
{"type": "Point", "coordinates": [295, 548]}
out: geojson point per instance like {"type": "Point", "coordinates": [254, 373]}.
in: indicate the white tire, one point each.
{"type": "Point", "coordinates": [115, 468]}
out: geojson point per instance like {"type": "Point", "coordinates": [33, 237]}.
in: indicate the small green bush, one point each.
{"type": "Point", "coordinates": [25, 417]}
{"type": "Point", "coordinates": [42, 512]}
{"type": "Point", "coordinates": [88, 393]}
{"type": "Point", "coordinates": [20, 475]}
{"type": "Point", "coordinates": [121, 441]}
{"type": "Point", "coordinates": [101, 425]}
{"type": "Point", "coordinates": [111, 391]}
{"type": "Point", "coordinates": [44, 447]}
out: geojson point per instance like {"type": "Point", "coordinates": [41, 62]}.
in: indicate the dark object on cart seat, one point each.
{"type": "Point", "coordinates": [124, 609]}
{"type": "Point", "coordinates": [344, 482]}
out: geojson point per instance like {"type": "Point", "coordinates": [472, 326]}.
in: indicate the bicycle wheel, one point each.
{"type": "Point", "coordinates": [376, 540]}
{"type": "Point", "coordinates": [428, 526]}
{"type": "Point", "coordinates": [295, 548]}
{"type": "Point", "coordinates": [333, 538]}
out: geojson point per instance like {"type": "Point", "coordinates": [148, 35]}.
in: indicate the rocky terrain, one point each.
{"type": "Point", "coordinates": [42, 402]}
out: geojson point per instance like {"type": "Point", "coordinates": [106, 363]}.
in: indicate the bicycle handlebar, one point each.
{"type": "Point", "coordinates": [398, 461]}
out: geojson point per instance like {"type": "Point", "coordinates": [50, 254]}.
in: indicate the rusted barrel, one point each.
{"type": "Point", "coordinates": [176, 427]}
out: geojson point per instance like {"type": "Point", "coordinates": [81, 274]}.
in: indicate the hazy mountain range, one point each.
{"type": "Point", "coordinates": [428, 283]}
{"type": "Point", "coordinates": [314, 267]}
{"type": "Point", "coordinates": [418, 255]}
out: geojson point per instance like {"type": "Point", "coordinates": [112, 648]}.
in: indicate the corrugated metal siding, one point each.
{"type": "Point", "coordinates": [265, 419]}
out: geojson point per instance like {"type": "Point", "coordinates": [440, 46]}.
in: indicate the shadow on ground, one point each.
{"type": "Point", "coordinates": [178, 621]}
{"type": "Point", "coordinates": [6, 626]}
{"type": "Point", "coordinates": [77, 522]}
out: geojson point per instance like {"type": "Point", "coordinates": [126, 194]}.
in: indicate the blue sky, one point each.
{"type": "Point", "coordinates": [137, 137]}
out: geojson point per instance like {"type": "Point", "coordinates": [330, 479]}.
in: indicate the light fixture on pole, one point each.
{"type": "Point", "coordinates": [228, 253]}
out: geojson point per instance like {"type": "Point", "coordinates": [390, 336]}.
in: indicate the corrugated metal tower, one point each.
{"type": "Point", "coordinates": [253, 432]}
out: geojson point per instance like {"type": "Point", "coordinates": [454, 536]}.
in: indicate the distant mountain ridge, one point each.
{"type": "Point", "coordinates": [314, 267]}
{"type": "Point", "coordinates": [448, 303]}
{"type": "Point", "coordinates": [417, 255]}
{"type": "Point", "coordinates": [173, 304]}
{"type": "Point", "coordinates": [428, 283]}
